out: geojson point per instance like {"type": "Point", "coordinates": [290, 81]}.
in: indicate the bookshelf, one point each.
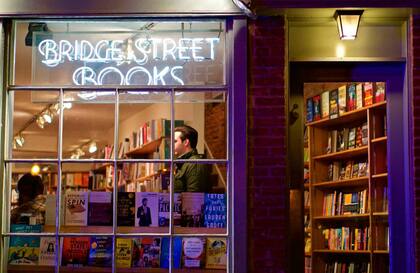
{"type": "Point", "coordinates": [348, 177]}
{"type": "Point", "coordinates": [50, 269]}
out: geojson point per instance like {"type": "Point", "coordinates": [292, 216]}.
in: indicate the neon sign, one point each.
{"type": "Point", "coordinates": [141, 61]}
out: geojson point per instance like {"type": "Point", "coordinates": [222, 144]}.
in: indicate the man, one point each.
{"type": "Point", "coordinates": [189, 177]}
{"type": "Point", "coordinates": [143, 213]}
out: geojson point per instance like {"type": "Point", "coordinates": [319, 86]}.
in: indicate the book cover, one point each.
{"type": "Point", "coordinates": [342, 99]}
{"type": "Point", "coordinates": [364, 134]}
{"type": "Point", "coordinates": [192, 209]}
{"type": "Point", "coordinates": [309, 110]}
{"type": "Point", "coordinates": [146, 252]}
{"type": "Point", "coordinates": [147, 207]}
{"type": "Point", "coordinates": [368, 93]}
{"type": "Point", "coordinates": [176, 252]}
{"type": "Point", "coordinates": [123, 252]}
{"type": "Point", "coordinates": [349, 169]}
{"type": "Point", "coordinates": [340, 140]}
{"type": "Point", "coordinates": [164, 207]}
{"type": "Point", "coordinates": [47, 251]}
{"type": "Point", "coordinates": [359, 136]}
{"type": "Point", "coordinates": [362, 169]}
{"type": "Point", "coordinates": [351, 97]}
{"type": "Point", "coordinates": [216, 255]}
{"type": "Point", "coordinates": [100, 208]}
{"type": "Point", "coordinates": [352, 138]}
{"type": "Point", "coordinates": [355, 170]}
{"type": "Point", "coordinates": [23, 228]}
{"type": "Point", "coordinates": [75, 251]}
{"type": "Point", "coordinates": [50, 206]}
{"type": "Point", "coordinates": [325, 104]}
{"type": "Point", "coordinates": [380, 92]}
{"type": "Point", "coordinates": [177, 210]}
{"type": "Point", "coordinates": [193, 252]}
{"type": "Point", "coordinates": [100, 252]}
{"type": "Point", "coordinates": [126, 208]}
{"type": "Point", "coordinates": [215, 210]}
{"type": "Point", "coordinates": [23, 250]}
{"type": "Point", "coordinates": [359, 96]}
{"type": "Point", "coordinates": [317, 107]}
{"type": "Point", "coordinates": [334, 103]}
{"type": "Point", "coordinates": [76, 206]}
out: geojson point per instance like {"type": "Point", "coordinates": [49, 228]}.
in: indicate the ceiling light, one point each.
{"type": "Point", "coordinates": [40, 121]}
{"type": "Point", "coordinates": [35, 169]}
{"type": "Point", "coordinates": [47, 115]}
{"type": "Point", "coordinates": [92, 147]}
{"type": "Point", "coordinates": [45, 168]}
{"type": "Point", "coordinates": [19, 140]}
{"type": "Point", "coordinates": [348, 23]}
{"type": "Point", "coordinates": [80, 152]}
{"type": "Point", "coordinates": [67, 105]}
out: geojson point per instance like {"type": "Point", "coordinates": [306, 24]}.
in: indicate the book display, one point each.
{"type": "Point", "coordinates": [347, 179]}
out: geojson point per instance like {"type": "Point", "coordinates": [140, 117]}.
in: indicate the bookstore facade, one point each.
{"type": "Point", "coordinates": [124, 139]}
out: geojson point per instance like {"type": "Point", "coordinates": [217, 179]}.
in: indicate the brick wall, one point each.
{"type": "Point", "coordinates": [416, 127]}
{"type": "Point", "coordinates": [267, 189]}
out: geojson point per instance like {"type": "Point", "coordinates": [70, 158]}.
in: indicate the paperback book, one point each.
{"type": "Point", "coordinates": [76, 205]}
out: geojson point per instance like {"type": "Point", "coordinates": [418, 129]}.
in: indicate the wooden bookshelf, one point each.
{"type": "Point", "coordinates": [322, 163]}
{"type": "Point", "coordinates": [146, 149]}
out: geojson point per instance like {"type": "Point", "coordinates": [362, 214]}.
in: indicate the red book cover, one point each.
{"type": "Point", "coordinates": [380, 92]}
{"type": "Point", "coordinates": [75, 251]}
{"type": "Point", "coordinates": [368, 90]}
{"type": "Point", "coordinates": [85, 180]}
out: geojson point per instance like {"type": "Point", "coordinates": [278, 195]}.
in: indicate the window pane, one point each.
{"type": "Point", "coordinates": [144, 125]}
{"type": "Point", "coordinates": [119, 53]}
{"type": "Point", "coordinates": [206, 113]}
{"type": "Point", "coordinates": [34, 124]}
{"type": "Point", "coordinates": [32, 196]}
{"type": "Point", "coordinates": [143, 198]}
{"type": "Point", "coordinates": [88, 129]}
{"type": "Point", "coordinates": [87, 197]}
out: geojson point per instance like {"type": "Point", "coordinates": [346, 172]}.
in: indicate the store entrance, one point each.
{"type": "Point", "coordinates": [346, 119]}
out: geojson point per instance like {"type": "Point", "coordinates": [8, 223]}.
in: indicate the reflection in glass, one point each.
{"type": "Point", "coordinates": [88, 129]}
{"type": "Point", "coordinates": [144, 125]}
{"type": "Point", "coordinates": [206, 113]}
{"type": "Point", "coordinates": [34, 124]}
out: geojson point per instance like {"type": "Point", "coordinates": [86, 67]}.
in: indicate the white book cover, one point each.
{"type": "Point", "coordinates": [325, 104]}
{"type": "Point", "coordinates": [50, 206]}
{"type": "Point", "coordinates": [47, 251]}
{"type": "Point", "coordinates": [76, 208]}
{"type": "Point", "coordinates": [359, 96]}
{"type": "Point", "coordinates": [147, 209]}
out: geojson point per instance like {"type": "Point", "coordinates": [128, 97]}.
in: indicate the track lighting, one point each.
{"type": "Point", "coordinates": [19, 140]}
{"type": "Point", "coordinates": [40, 121]}
{"type": "Point", "coordinates": [47, 115]}
{"type": "Point", "coordinates": [35, 169]}
{"type": "Point", "coordinates": [92, 147]}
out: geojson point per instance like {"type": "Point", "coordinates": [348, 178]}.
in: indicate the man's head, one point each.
{"type": "Point", "coordinates": [29, 186]}
{"type": "Point", "coordinates": [185, 139]}
{"type": "Point", "coordinates": [144, 201]}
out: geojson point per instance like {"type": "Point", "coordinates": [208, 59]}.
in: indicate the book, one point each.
{"type": "Point", "coordinates": [75, 251]}
{"type": "Point", "coordinates": [317, 107]}
{"type": "Point", "coordinates": [146, 252]}
{"type": "Point", "coordinates": [100, 252]}
{"type": "Point", "coordinates": [23, 250]}
{"type": "Point", "coordinates": [192, 209]}
{"type": "Point", "coordinates": [47, 251]}
{"type": "Point", "coordinates": [100, 208]}
{"type": "Point", "coordinates": [355, 170]}
{"type": "Point", "coordinates": [368, 93]}
{"type": "Point", "coordinates": [76, 205]}
{"type": "Point", "coordinates": [380, 92]}
{"type": "Point", "coordinates": [352, 138]}
{"type": "Point", "coordinates": [123, 252]}
{"type": "Point", "coordinates": [334, 103]}
{"type": "Point", "coordinates": [325, 104]}
{"type": "Point", "coordinates": [193, 252]}
{"type": "Point", "coordinates": [126, 208]}
{"type": "Point", "coordinates": [342, 99]}
{"type": "Point", "coordinates": [177, 209]}
{"type": "Point", "coordinates": [176, 252]}
{"type": "Point", "coordinates": [359, 96]}
{"type": "Point", "coordinates": [215, 210]}
{"type": "Point", "coordinates": [351, 97]}
{"type": "Point", "coordinates": [216, 257]}
{"type": "Point", "coordinates": [147, 206]}
{"type": "Point", "coordinates": [309, 110]}
{"type": "Point", "coordinates": [164, 207]}
{"type": "Point", "coordinates": [349, 170]}
{"type": "Point", "coordinates": [362, 169]}
{"type": "Point", "coordinates": [50, 207]}
{"type": "Point", "coordinates": [23, 228]}
{"type": "Point", "coordinates": [364, 134]}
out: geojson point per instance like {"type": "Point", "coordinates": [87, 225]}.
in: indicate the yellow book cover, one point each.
{"type": "Point", "coordinates": [216, 253]}
{"type": "Point", "coordinates": [123, 252]}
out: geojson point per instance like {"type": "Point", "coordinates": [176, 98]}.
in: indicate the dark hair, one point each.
{"type": "Point", "coordinates": [29, 186]}
{"type": "Point", "coordinates": [144, 199]}
{"type": "Point", "coordinates": [188, 132]}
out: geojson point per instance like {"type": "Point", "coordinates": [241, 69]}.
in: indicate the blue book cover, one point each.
{"type": "Point", "coordinates": [100, 252]}
{"type": "Point", "coordinates": [21, 228]}
{"type": "Point", "coordinates": [309, 110]}
{"type": "Point", "coordinates": [164, 252]}
{"type": "Point", "coordinates": [215, 210]}
{"type": "Point", "coordinates": [24, 250]}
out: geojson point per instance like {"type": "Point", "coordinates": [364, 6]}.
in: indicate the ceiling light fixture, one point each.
{"type": "Point", "coordinates": [48, 116]}
{"type": "Point", "coordinates": [40, 121]}
{"type": "Point", "coordinates": [92, 147]}
{"type": "Point", "coordinates": [35, 169]}
{"type": "Point", "coordinates": [19, 140]}
{"type": "Point", "coordinates": [348, 23]}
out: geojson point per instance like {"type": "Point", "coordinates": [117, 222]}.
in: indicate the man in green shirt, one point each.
{"type": "Point", "coordinates": [189, 177]}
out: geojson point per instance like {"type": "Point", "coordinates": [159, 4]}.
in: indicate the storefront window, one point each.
{"type": "Point", "coordinates": [118, 147]}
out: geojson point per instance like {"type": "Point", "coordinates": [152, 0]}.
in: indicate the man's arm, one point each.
{"type": "Point", "coordinates": [197, 178]}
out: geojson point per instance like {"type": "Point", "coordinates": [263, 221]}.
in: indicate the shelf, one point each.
{"type": "Point", "coordinates": [144, 178]}
{"type": "Point", "coordinates": [328, 251]}
{"type": "Point", "coordinates": [358, 181]}
{"type": "Point", "coordinates": [308, 254]}
{"type": "Point", "coordinates": [177, 230]}
{"type": "Point", "coordinates": [379, 139]}
{"type": "Point", "coordinates": [381, 252]}
{"type": "Point", "coordinates": [380, 175]}
{"type": "Point", "coordinates": [146, 149]}
{"type": "Point", "coordinates": [342, 217]}
{"type": "Point", "coordinates": [381, 214]}
{"type": "Point", "coordinates": [41, 268]}
{"type": "Point", "coordinates": [102, 168]}
{"type": "Point", "coordinates": [343, 154]}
